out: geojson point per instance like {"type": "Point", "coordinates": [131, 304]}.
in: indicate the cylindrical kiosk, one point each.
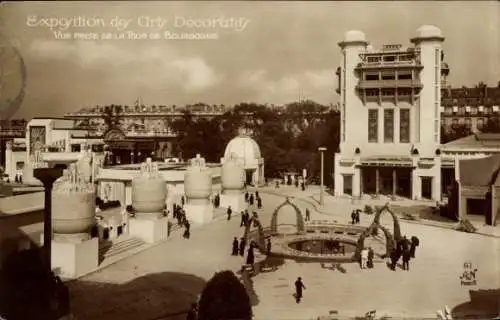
{"type": "Point", "coordinates": [149, 192]}
{"type": "Point", "coordinates": [198, 188]}
{"type": "Point", "coordinates": [74, 251]}
{"type": "Point", "coordinates": [73, 206]}
{"type": "Point", "coordinates": [233, 183]}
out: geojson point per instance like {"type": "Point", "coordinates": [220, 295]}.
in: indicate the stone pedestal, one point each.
{"type": "Point", "coordinates": [199, 213]}
{"type": "Point", "coordinates": [150, 230]}
{"type": "Point", "coordinates": [236, 201]}
{"type": "Point", "coordinates": [74, 259]}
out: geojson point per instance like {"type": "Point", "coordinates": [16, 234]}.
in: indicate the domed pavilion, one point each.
{"type": "Point", "coordinates": [244, 148]}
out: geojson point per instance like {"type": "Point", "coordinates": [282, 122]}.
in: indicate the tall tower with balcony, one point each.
{"type": "Point", "coordinates": [390, 117]}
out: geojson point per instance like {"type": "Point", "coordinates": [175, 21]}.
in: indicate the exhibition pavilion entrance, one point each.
{"type": "Point", "coordinates": [127, 150]}
{"type": "Point", "coordinates": [386, 180]}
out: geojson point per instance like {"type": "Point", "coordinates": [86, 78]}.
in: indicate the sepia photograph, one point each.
{"type": "Point", "coordinates": [249, 160]}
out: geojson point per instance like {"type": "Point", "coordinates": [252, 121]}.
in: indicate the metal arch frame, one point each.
{"type": "Point", "coordinates": [391, 240]}
{"type": "Point", "coordinates": [298, 213]}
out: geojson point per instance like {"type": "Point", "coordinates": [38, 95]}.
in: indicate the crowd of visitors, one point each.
{"type": "Point", "coordinates": [404, 249]}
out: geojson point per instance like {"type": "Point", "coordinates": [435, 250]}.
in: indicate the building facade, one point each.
{"type": "Point", "coordinates": [390, 117]}
{"type": "Point", "coordinates": [470, 107]}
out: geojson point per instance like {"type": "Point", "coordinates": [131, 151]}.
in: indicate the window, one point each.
{"type": "Point", "coordinates": [75, 148]}
{"type": "Point", "coordinates": [404, 76]}
{"type": "Point", "coordinates": [389, 125]}
{"type": "Point", "coordinates": [373, 59]}
{"type": "Point", "coordinates": [454, 121]}
{"type": "Point", "coordinates": [404, 92]}
{"type": "Point", "coordinates": [388, 92]}
{"type": "Point", "coordinates": [372, 92]}
{"type": "Point", "coordinates": [373, 125]}
{"type": "Point", "coordinates": [404, 125]}
{"type": "Point", "coordinates": [388, 76]}
{"type": "Point", "coordinates": [461, 110]}
{"type": "Point", "coordinates": [389, 58]}
{"type": "Point", "coordinates": [370, 77]}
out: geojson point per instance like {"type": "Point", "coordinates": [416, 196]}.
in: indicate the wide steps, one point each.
{"type": "Point", "coordinates": [114, 248]}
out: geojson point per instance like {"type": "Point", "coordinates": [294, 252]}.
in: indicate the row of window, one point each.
{"type": "Point", "coordinates": [388, 92]}
{"type": "Point", "coordinates": [471, 110]}
{"type": "Point", "coordinates": [390, 58]}
{"type": "Point", "coordinates": [469, 101]}
{"type": "Point", "coordinates": [388, 76]}
{"type": "Point", "coordinates": [404, 125]}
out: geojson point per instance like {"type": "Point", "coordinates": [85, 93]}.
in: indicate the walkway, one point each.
{"type": "Point", "coordinates": [167, 278]}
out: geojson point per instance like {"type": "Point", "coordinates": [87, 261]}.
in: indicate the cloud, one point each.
{"type": "Point", "coordinates": [149, 63]}
{"type": "Point", "coordinates": [196, 73]}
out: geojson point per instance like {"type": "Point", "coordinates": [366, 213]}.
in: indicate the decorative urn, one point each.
{"type": "Point", "coordinates": [233, 175]}
{"type": "Point", "coordinates": [149, 191]}
{"type": "Point", "coordinates": [198, 181]}
{"type": "Point", "coordinates": [73, 203]}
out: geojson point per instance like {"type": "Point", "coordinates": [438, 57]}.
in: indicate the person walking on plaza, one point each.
{"type": "Point", "coordinates": [243, 244]}
{"type": "Point", "coordinates": [303, 186]}
{"type": "Point", "coordinates": [353, 217]}
{"type": "Point", "coordinates": [187, 233]}
{"type": "Point", "coordinates": [229, 212]}
{"type": "Point", "coordinates": [183, 201]}
{"type": "Point", "coordinates": [364, 258]}
{"type": "Point", "coordinates": [308, 215]}
{"type": "Point", "coordinates": [242, 222]}
{"type": "Point", "coordinates": [296, 183]}
{"type": "Point", "coordinates": [268, 245]}
{"type": "Point", "coordinates": [413, 247]}
{"type": "Point", "coordinates": [299, 286]}
{"type": "Point", "coordinates": [246, 196]}
{"type": "Point", "coordinates": [357, 216]}
{"type": "Point", "coordinates": [250, 199]}
{"type": "Point", "coordinates": [277, 186]}
{"type": "Point", "coordinates": [371, 255]}
{"type": "Point", "coordinates": [257, 194]}
{"type": "Point", "coordinates": [259, 203]}
{"type": "Point", "coordinates": [406, 260]}
{"type": "Point", "coordinates": [395, 255]}
{"type": "Point", "coordinates": [235, 247]}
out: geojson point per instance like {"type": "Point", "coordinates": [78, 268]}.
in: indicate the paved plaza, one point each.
{"type": "Point", "coordinates": [162, 282]}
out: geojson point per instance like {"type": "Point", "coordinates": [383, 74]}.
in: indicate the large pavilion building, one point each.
{"type": "Point", "coordinates": [390, 117]}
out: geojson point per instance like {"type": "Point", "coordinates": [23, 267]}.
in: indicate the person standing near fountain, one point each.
{"type": "Point", "coordinates": [299, 286]}
{"type": "Point", "coordinates": [268, 245]}
{"type": "Point", "coordinates": [308, 215]}
{"type": "Point", "coordinates": [364, 258]}
{"type": "Point", "coordinates": [235, 247]}
{"type": "Point", "coordinates": [250, 199]}
{"type": "Point", "coordinates": [243, 244]}
{"type": "Point", "coordinates": [250, 255]}
{"type": "Point", "coordinates": [371, 254]}
{"type": "Point", "coordinates": [229, 212]}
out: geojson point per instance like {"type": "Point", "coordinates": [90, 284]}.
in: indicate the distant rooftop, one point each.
{"type": "Point", "coordinates": [478, 140]}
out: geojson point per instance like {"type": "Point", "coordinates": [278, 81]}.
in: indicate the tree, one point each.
{"type": "Point", "coordinates": [456, 131]}
{"type": "Point", "coordinates": [224, 298]}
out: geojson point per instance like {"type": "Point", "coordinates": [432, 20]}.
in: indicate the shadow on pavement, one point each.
{"type": "Point", "coordinates": [483, 304]}
{"type": "Point", "coordinates": [154, 296]}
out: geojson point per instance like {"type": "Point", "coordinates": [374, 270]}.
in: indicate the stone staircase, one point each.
{"type": "Point", "coordinates": [121, 245]}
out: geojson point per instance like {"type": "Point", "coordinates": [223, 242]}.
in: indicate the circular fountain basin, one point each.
{"type": "Point", "coordinates": [324, 246]}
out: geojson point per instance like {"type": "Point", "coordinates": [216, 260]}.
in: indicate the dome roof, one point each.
{"type": "Point", "coordinates": [354, 35]}
{"type": "Point", "coordinates": [243, 147]}
{"type": "Point", "coordinates": [428, 31]}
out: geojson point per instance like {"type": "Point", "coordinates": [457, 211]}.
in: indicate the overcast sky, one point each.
{"type": "Point", "coordinates": [273, 52]}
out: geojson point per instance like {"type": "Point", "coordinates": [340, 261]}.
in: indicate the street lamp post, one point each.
{"type": "Point", "coordinates": [47, 176]}
{"type": "Point", "coordinates": [321, 193]}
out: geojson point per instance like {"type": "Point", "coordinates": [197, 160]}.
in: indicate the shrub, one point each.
{"type": "Point", "coordinates": [368, 209]}
{"type": "Point", "coordinates": [224, 298]}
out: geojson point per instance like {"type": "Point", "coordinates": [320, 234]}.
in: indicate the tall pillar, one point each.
{"type": "Point", "coordinates": [394, 182]}
{"type": "Point", "coordinates": [436, 180]}
{"type": "Point", "coordinates": [10, 166]}
{"type": "Point", "coordinates": [356, 183]}
{"type": "Point", "coordinates": [377, 180]}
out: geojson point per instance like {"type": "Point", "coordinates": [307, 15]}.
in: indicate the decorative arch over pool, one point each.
{"type": "Point", "coordinates": [300, 219]}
